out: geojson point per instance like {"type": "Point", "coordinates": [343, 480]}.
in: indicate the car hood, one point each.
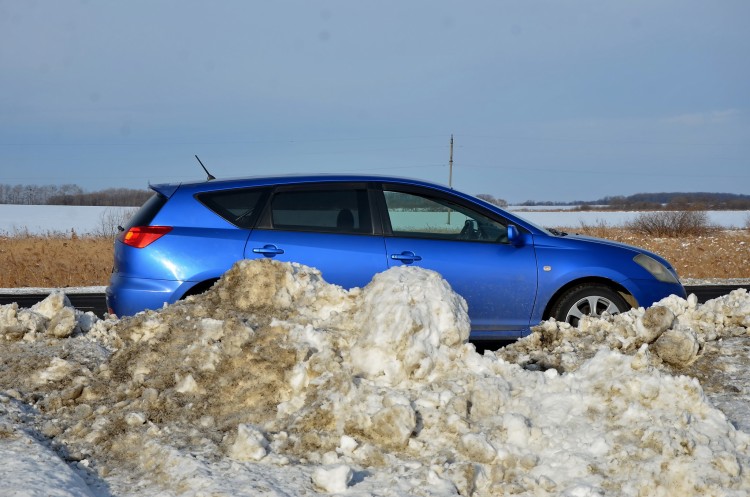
{"type": "Point", "coordinates": [611, 243]}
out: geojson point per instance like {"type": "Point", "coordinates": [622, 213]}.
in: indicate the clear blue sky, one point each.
{"type": "Point", "coordinates": [547, 100]}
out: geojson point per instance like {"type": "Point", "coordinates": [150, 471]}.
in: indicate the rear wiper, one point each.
{"type": "Point", "coordinates": [244, 215]}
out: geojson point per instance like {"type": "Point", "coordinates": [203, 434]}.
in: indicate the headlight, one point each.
{"type": "Point", "coordinates": [656, 268]}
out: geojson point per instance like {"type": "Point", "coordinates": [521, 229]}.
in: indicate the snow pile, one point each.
{"type": "Point", "coordinates": [675, 330]}
{"type": "Point", "coordinates": [277, 383]}
{"type": "Point", "coordinates": [53, 317]}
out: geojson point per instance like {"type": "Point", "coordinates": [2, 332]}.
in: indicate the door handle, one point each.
{"type": "Point", "coordinates": [407, 257]}
{"type": "Point", "coordinates": [268, 250]}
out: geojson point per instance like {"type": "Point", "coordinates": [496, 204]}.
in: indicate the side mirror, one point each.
{"type": "Point", "coordinates": [514, 236]}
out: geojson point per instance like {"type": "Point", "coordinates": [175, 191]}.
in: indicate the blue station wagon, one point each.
{"type": "Point", "coordinates": [512, 273]}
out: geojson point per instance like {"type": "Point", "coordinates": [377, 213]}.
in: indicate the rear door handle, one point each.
{"type": "Point", "coordinates": [268, 250]}
{"type": "Point", "coordinates": [407, 257]}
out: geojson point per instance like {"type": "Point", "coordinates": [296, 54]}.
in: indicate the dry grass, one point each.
{"type": "Point", "coordinates": [52, 261]}
{"type": "Point", "coordinates": [718, 254]}
{"type": "Point", "coordinates": [27, 261]}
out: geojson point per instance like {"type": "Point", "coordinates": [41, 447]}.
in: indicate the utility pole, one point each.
{"type": "Point", "coordinates": [450, 164]}
{"type": "Point", "coordinates": [450, 175]}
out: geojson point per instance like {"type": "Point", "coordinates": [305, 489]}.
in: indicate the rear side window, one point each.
{"type": "Point", "coordinates": [148, 211]}
{"type": "Point", "coordinates": [239, 207]}
{"type": "Point", "coordinates": [335, 211]}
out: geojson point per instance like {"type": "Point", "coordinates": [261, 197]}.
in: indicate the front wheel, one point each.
{"type": "Point", "coordinates": [587, 300]}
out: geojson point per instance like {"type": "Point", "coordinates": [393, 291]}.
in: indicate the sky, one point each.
{"type": "Point", "coordinates": [546, 100]}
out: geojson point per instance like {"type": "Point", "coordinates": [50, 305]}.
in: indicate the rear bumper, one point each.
{"type": "Point", "coordinates": [129, 296]}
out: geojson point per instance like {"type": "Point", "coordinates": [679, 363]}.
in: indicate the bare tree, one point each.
{"type": "Point", "coordinates": [492, 200]}
{"type": "Point", "coordinates": [110, 220]}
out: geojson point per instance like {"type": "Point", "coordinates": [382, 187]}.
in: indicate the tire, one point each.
{"type": "Point", "coordinates": [592, 300]}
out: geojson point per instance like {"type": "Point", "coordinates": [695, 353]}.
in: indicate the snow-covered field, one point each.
{"type": "Point", "coordinates": [60, 219]}
{"type": "Point", "coordinates": [275, 383]}
{"type": "Point", "coordinates": [44, 219]}
{"type": "Point", "coordinates": [725, 219]}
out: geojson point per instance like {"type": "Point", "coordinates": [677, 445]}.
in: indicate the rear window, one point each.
{"type": "Point", "coordinates": [148, 211]}
{"type": "Point", "coordinates": [239, 207]}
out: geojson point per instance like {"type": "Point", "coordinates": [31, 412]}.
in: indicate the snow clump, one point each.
{"type": "Point", "coordinates": [52, 317]}
{"type": "Point", "coordinates": [675, 330]}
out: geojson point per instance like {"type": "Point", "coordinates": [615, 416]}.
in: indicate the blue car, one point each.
{"type": "Point", "coordinates": [512, 273]}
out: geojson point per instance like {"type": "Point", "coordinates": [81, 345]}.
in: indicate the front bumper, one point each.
{"type": "Point", "coordinates": [648, 292]}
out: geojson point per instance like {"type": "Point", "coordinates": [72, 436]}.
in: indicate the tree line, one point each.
{"type": "Point", "coordinates": [677, 201]}
{"type": "Point", "coordinates": [71, 195]}
{"type": "Point", "coordinates": [659, 201]}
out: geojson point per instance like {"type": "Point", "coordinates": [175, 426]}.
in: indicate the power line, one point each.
{"type": "Point", "coordinates": [711, 174]}
{"type": "Point", "coordinates": [214, 142]}
{"type": "Point", "coordinates": [602, 141]}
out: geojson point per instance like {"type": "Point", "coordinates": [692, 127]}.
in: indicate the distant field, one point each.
{"type": "Point", "coordinates": [724, 219]}
{"type": "Point", "coordinates": [49, 261]}
{"type": "Point", "coordinates": [721, 254]}
{"type": "Point", "coordinates": [51, 246]}
{"type": "Point", "coordinates": [87, 220]}
{"type": "Point", "coordinates": [59, 219]}
{"type": "Point", "coordinates": [59, 261]}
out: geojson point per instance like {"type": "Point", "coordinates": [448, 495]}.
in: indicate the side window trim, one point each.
{"type": "Point", "coordinates": [378, 200]}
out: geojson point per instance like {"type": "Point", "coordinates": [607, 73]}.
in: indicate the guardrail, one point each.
{"type": "Point", "coordinates": [95, 302]}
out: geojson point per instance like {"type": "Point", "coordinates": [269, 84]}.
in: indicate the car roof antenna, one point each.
{"type": "Point", "coordinates": [210, 176]}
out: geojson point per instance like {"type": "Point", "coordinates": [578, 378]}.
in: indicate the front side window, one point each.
{"type": "Point", "coordinates": [418, 216]}
{"type": "Point", "coordinates": [335, 211]}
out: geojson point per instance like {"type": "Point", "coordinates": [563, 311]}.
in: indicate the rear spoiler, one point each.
{"type": "Point", "coordinates": [166, 189]}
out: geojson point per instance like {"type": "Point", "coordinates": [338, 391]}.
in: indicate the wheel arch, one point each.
{"type": "Point", "coordinates": [199, 288]}
{"type": "Point", "coordinates": [592, 280]}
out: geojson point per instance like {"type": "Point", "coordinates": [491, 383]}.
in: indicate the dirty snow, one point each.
{"type": "Point", "coordinates": [275, 383]}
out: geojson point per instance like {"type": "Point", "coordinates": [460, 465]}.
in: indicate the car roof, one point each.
{"type": "Point", "coordinates": [287, 179]}
{"type": "Point", "coordinates": [195, 187]}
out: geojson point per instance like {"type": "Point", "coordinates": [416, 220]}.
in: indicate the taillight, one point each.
{"type": "Point", "coordinates": [142, 236]}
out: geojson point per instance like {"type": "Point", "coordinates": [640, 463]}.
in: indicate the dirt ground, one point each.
{"type": "Point", "coordinates": [722, 254]}
{"type": "Point", "coordinates": [63, 262]}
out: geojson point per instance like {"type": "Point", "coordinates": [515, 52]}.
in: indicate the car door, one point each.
{"type": "Point", "coordinates": [327, 226]}
{"type": "Point", "coordinates": [470, 248]}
